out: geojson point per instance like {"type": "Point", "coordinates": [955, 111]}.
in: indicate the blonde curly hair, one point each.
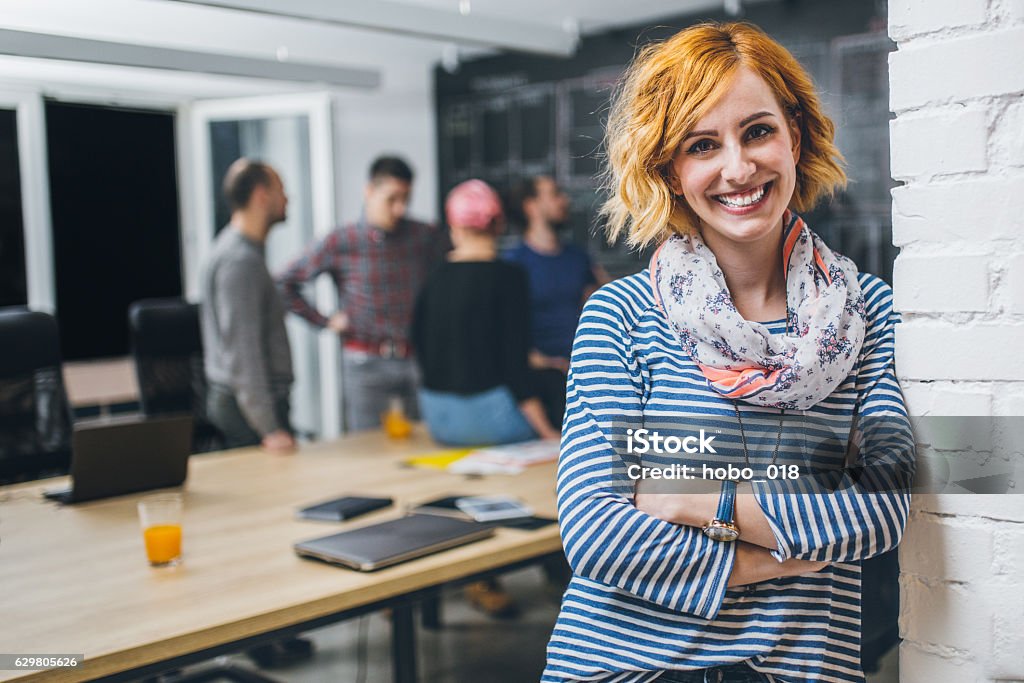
{"type": "Point", "coordinates": [666, 90]}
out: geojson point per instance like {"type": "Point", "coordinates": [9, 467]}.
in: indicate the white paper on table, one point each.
{"type": "Point", "coordinates": [509, 459]}
{"type": "Point", "coordinates": [473, 465]}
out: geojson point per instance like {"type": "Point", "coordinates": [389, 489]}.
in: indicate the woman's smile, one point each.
{"type": "Point", "coordinates": [744, 202]}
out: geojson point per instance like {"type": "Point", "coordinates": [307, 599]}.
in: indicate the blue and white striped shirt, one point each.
{"type": "Point", "coordinates": [649, 596]}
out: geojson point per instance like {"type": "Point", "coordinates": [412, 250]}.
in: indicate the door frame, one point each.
{"type": "Point", "coordinates": [197, 204]}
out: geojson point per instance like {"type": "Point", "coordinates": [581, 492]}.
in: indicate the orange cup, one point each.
{"type": "Point", "coordinates": [160, 517]}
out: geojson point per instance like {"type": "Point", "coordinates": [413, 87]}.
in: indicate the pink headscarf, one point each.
{"type": "Point", "coordinates": [472, 204]}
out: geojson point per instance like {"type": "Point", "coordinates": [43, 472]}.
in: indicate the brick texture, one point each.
{"type": "Point", "coordinates": [957, 144]}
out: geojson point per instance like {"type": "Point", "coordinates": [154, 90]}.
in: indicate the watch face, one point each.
{"type": "Point", "coordinates": [721, 532]}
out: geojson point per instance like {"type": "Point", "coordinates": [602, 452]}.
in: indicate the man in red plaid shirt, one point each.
{"type": "Point", "coordinates": [378, 264]}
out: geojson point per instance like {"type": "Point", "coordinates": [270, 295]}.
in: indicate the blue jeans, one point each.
{"type": "Point", "coordinates": [734, 673]}
{"type": "Point", "coordinates": [490, 417]}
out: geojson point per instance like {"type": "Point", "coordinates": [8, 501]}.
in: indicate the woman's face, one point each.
{"type": "Point", "coordinates": [737, 169]}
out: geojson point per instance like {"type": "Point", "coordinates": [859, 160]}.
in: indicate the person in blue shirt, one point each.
{"type": "Point", "coordinates": [561, 277]}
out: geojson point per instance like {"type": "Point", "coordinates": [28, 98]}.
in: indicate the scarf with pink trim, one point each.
{"type": "Point", "coordinates": [825, 320]}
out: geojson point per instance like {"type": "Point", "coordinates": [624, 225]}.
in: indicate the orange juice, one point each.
{"type": "Point", "coordinates": [163, 543]}
{"type": "Point", "coordinates": [395, 423]}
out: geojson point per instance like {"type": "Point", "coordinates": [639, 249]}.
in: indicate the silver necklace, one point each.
{"type": "Point", "coordinates": [743, 435]}
{"type": "Point", "coordinates": [782, 416]}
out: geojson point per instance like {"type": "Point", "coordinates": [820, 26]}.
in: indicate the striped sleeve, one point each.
{"type": "Point", "coordinates": [606, 538]}
{"type": "Point", "coordinates": [866, 516]}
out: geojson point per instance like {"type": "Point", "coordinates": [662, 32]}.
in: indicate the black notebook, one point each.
{"type": "Point", "coordinates": [342, 509]}
{"type": "Point", "coordinates": [381, 545]}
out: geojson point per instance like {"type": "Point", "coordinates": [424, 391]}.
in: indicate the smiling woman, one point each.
{"type": "Point", "coordinates": [667, 99]}
{"type": "Point", "coordinates": [715, 142]}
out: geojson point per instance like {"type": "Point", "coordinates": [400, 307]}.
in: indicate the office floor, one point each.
{"type": "Point", "coordinates": [470, 648]}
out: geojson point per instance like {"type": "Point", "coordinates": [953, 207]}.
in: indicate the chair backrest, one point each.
{"type": "Point", "coordinates": [168, 350]}
{"type": "Point", "coordinates": [35, 417]}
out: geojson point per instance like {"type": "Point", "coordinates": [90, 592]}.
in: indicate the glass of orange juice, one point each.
{"type": "Point", "coordinates": [160, 516]}
{"type": "Point", "coordinates": [395, 423]}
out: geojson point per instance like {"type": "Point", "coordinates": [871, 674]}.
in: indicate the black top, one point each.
{"type": "Point", "coordinates": [471, 328]}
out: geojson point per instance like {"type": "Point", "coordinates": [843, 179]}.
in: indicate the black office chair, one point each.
{"type": "Point", "coordinates": [35, 417]}
{"type": "Point", "coordinates": [168, 351]}
{"type": "Point", "coordinates": [167, 346]}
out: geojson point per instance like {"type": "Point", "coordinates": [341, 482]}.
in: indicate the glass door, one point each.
{"type": "Point", "coordinates": [292, 133]}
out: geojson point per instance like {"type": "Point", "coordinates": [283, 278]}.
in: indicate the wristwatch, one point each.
{"type": "Point", "coordinates": [722, 527]}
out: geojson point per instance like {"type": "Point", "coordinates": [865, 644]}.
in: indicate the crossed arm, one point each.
{"type": "Point", "coordinates": [754, 563]}
{"type": "Point", "coordinates": [650, 545]}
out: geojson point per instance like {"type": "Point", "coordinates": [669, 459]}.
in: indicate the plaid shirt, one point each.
{"type": "Point", "coordinates": [378, 275]}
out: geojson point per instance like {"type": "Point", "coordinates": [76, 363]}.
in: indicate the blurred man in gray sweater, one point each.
{"type": "Point", "coordinates": [247, 356]}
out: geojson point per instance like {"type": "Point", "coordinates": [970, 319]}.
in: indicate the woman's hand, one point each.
{"type": "Point", "coordinates": [533, 410]}
{"type": "Point", "coordinates": [539, 361]}
{"type": "Point", "coordinates": [678, 508]}
{"type": "Point", "coordinates": [661, 505]}
{"type": "Point", "coordinates": [754, 564]}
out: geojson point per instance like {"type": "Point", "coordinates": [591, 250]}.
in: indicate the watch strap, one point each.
{"type": "Point", "coordinates": [727, 503]}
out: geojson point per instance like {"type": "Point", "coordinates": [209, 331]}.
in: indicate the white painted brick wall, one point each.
{"type": "Point", "coordinates": [938, 664]}
{"type": "Point", "coordinates": [957, 145]}
{"type": "Point", "coordinates": [914, 17]}
{"type": "Point", "coordinates": [948, 398]}
{"type": "Point", "coordinates": [971, 210]}
{"type": "Point", "coordinates": [923, 283]}
{"type": "Point", "coordinates": [1009, 11]}
{"type": "Point", "coordinates": [1008, 136]}
{"type": "Point", "coordinates": [978, 66]}
{"type": "Point", "coordinates": [952, 141]}
{"type": "Point", "coordinates": [948, 549]}
{"type": "Point", "coordinates": [937, 349]}
{"type": "Point", "coordinates": [928, 608]}
{"type": "Point", "coordinates": [1015, 283]}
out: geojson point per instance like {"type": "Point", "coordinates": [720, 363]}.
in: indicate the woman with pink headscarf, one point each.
{"type": "Point", "coordinates": [471, 334]}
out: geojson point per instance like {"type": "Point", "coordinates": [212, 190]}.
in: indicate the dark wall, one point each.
{"type": "Point", "coordinates": [503, 117]}
{"type": "Point", "coordinates": [13, 290]}
{"type": "Point", "coordinates": [114, 200]}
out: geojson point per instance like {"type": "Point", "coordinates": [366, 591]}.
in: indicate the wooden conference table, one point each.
{"type": "Point", "coordinates": [75, 579]}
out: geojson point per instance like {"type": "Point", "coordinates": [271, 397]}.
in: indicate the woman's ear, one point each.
{"type": "Point", "coordinates": [674, 186]}
{"type": "Point", "coordinates": [794, 133]}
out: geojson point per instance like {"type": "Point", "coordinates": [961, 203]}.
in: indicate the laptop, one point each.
{"type": "Point", "coordinates": [115, 457]}
{"type": "Point", "coordinates": [381, 545]}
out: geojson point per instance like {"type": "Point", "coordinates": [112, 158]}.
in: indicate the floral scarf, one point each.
{"type": "Point", "coordinates": [825, 320]}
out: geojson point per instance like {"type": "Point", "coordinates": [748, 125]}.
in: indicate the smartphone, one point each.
{"type": "Point", "coordinates": [492, 508]}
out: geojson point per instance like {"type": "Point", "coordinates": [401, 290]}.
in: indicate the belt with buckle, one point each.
{"type": "Point", "coordinates": [387, 348]}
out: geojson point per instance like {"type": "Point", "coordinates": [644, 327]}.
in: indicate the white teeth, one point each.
{"type": "Point", "coordinates": [737, 201]}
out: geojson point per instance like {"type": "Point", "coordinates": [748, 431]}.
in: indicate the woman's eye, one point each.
{"type": "Point", "coordinates": [701, 147]}
{"type": "Point", "coordinates": [759, 131]}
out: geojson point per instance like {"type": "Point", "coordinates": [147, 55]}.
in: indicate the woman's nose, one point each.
{"type": "Point", "coordinates": [738, 168]}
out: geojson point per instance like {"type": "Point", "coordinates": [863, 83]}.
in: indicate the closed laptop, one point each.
{"type": "Point", "coordinates": [388, 543]}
